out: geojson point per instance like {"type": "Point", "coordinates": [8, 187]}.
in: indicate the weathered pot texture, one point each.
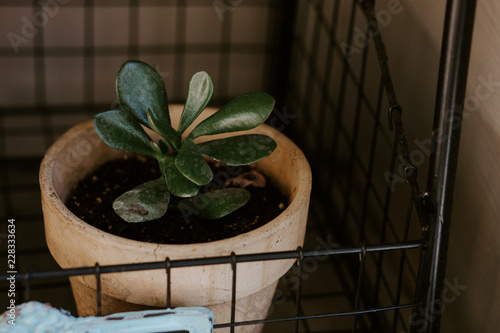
{"type": "Point", "coordinates": [74, 243]}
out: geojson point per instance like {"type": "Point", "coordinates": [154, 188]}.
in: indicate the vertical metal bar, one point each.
{"type": "Point", "coordinates": [368, 8]}
{"type": "Point", "coordinates": [98, 289]}
{"type": "Point", "coordinates": [298, 293]}
{"type": "Point", "coordinates": [300, 39]}
{"type": "Point", "coordinates": [309, 122]}
{"type": "Point", "coordinates": [180, 47]}
{"type": "Point", "coordinates": [39, 56]}
{"type": "Point", "coordinates": [357, 300]}
{"type": "Point", "coordinates": [225, 56]}
{"type": "Point", "coordinates": [326, 101]}
{"type": "Point", "coordinates": [233, 291]}
{"type": "Point", "coordinates": [169, 282]}
{"type": "Point", "coordinates": [401, 265]}
{"type": "Point", "coordinates": [39, 62]}
{"type": "Point", "coordinates": [385, 220]}
{"type": "Point", "coordinates": [284, 56]}
{"type": "Point", "coordinates": [272, 45]}
{"type": "Point", "coordinates": [454, 62]}
{"type": "Point", "coordinates": [332, 156]}
{"type": "Point", "coordinates": [88, 55]}
{"type": "Point", "coordinates": [371, 164]}
{"type": "Point", "coordinates": [133, 29]}
{"type": "Point", "coordinates": [354, 139]}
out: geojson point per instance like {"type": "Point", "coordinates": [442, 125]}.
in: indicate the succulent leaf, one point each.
{"type": "Point", "coordinates": [164, 130]}
{"type": "Point", "coordinates": [200, 91]}
{"type": "Point", "coordinates": [215, 204]}
{"type": "Point", "coordinates": [192, 165]}
{"type": "Point", "coordinates": [163, 147]}
{"type": "Point", "coordinates": [139, 87]}
{"type": "Point", "coordinates": [146, 202]}
{"type": "Point", "coordinates": [238, 150]}
{"type": "Point", "coordinates": [177, 183]}
{"type": "Point", "coordinates": [242, 113]}
{"type": "Point", "coordinates": [121, 130]}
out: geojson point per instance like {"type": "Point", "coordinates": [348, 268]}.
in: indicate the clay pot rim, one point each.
{"type": "Point", "coordinates": [57, 205]}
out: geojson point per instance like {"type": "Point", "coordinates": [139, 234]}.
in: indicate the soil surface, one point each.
{"type": "Point", "coordinates": [93, 197]}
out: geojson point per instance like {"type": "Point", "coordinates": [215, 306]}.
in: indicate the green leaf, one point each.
{"type": "Point", "coordinates": [121, 130]}
{"type": "Point", "coordinates": [177, 184]}
{"type": "Point", "coordinates": [139, 87]}
{"type": "Point", "coordinates": [164, 130]}
{"type": "Point", "coordinates": [163, 147]}
{"type": "Point", "coordinates": [192, 165]}
{"type": "Point", "coordinates": [238, 150]}
{"type": "Point", "coordinates": [146, 202]}
{"type": "Point", "coordinates": [215, 204]}
{"type": "Point", "coordinates": [242, 113]}
{"type": "Point", "coordinates": [200, 91]}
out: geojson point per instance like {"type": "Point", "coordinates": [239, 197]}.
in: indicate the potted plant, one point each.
{"type": "Point", "coordinates": [179, 138]}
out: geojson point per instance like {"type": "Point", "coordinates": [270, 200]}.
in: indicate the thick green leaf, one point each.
{"type": "Point", "coordinates": [242, 113]}
{"type": "Point", "coordinates": [238, 150]}
{"type": "Point", "coordinates": [163, 147]}
{"type": "Point", "coordinates": [164, 130]}
{"type": "Point", "coordinates": [177, 184]}
{"type": "Point", "coordinates": [121, 130]}
{"type": "Point", "coordinates": [139, 87]}
{"type": "Point", "coordinates": [215, 204]}
{"type": "Point", "coordinates": [200, 91]}
{"type": "Point", "coordinates": [192, 165]}
{"type": "Point", "coordinates": [146, 202]}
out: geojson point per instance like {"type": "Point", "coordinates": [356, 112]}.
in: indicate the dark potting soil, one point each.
{"type": "Point", "coordinates": [93, 197]}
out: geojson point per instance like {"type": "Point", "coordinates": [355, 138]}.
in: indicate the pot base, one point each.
{"type": "Point", "coordinates": [249, 308]}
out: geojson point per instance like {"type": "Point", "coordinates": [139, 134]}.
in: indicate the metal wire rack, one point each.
{"type": "Point", "coordinates": [370, 264]}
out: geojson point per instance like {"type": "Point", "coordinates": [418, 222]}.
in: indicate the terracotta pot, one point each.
{"type": "Point", "coordinates": [74, 243]}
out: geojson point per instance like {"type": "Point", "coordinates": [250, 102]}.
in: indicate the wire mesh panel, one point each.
{"type": "Point", "coordinates": [325, 62]}
{"type": "Point", "coordinates": [342, 94]}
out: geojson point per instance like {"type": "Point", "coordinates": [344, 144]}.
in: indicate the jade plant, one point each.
{"type": "Point", "coordinates": [182, 161]}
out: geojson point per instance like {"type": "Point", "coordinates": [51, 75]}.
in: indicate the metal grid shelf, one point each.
{"type": "Point", "coordinates": [369, 262]}
{"type": "Point", "coordinates": [300, 255]}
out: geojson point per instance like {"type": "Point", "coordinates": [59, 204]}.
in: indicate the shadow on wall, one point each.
{"type": "Point", "coordinates": [83, 48]}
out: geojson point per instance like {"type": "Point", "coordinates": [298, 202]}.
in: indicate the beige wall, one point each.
{"type": "Point", "coordinates": [475, 245]}
{"type": "Point", "coordinates": [66, 32]}
{"type": "Point", "coordinates": [413, 39]}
